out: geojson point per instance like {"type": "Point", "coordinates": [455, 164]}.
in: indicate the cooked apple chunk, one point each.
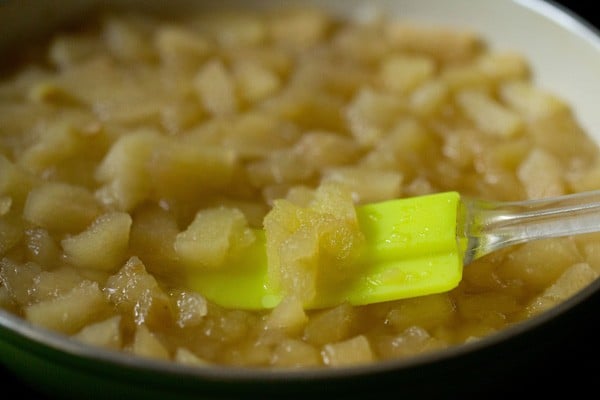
{"type": "Point", "coordinates": [103, 245]}
{"type": "Point", "coordinates": [71, 311]}
{"type": "Point", "coordinates": [313, 249]}
{"type": "Point", "coordinates": [138, 295]}
{"type": "Point", "coordinates": [570, 282]}
{"type": "Point", "coordinates": [104, 333]}
{"type": "Point", "coordinates": [356, 350]}
{"type": "Point", "coordinates": [185, 356]}
{"type": "Point", "coordinates": [213, 234]}
{"type": "Point", "coordinates": [146, 344]}
{"type": "Point", "coordinates": [123, 170]}
{"type": "Point", "coordinates": [60, 207]}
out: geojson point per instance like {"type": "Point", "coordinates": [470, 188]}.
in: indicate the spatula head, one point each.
{"type": "Point", "coordinates": [411, 250]}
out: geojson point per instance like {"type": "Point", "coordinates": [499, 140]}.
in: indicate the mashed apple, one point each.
{"type": "Point", "coordinates": [138, 147]}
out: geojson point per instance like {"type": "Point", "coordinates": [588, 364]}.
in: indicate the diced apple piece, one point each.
{"type": "Point", "coordinates": [214, 235]}
{"type": "Point", "coordinates": [402, 73]}
{"type": "Point", "coordinates": [354, 351]}
{"type": "Point", "coordinates": [146, 344]}
{"type": "Point", "coordinates": [127, 38]}
{"type": "Point", "coordinates": [530, 101]}
{"type": "Point", "coordinates": [426, 312]}
{"type": "Point", "coordinates": [103, 246]}
{"type": "Point", "coordinates": [232, 29]}
{"type": "Point", "coordinates": [570, 282]}
{"type": "Point", "coordinates": [216, 89]}
{"type": "Point", "coordinates": [299, 28]}
{"type": "Point", "coordinates": [331, 325]}
{"type": "Point", "coordinates": [11, 232]}
{"type": "Point", "coordinates": [371, 114]}
{"type": "Point", "coordinates": [488, 114]}
{"type": "Point", "coordinates": [69, 50]}
{"type": "Point", "coordinates": [180, 115]}
{"type": "Point", "coordinates": [491, 309]}
{"type": "Point", "coordinates": [185, 356]}
{"type": "Point", "coordinates": [6, 302]}
{"type": "Point", "coordinates": [255, 82]}
{"type": "Point", "coordinates": [61, 207]}
{"type": "Point", "coordinates": [152, 236]}
{"type": "Point", "coordinates": [14, 182]}
{"type": "Point", "coordinates": [50, 284]}
{"type": "Point", "coordinates": [587, 179]}
{"type": "Point", "coordinates": [367, 185]}
{"type": "Point", "coordinates": [407, 148]}
{"type": "Point", "coordinates": [68, 148]}
{"type": "Point", "coordinates": [539, 263]}
{"type": "Point", "coordinates": [561, 135]}
{"type": "Point", "coordinates": [42, 247]}
{"type": "Point", "coordinates": [313, 249]}
{"type": "Point", "coordinates": [124, 170]}
{"type": "Point", "coordinates": [17, 278]}
{"type": "Point", "coordinates": [137, 294]}
{"type": "Point", "coordinates": [504, 66]}
{"type": "Point", "coordinates": [257, 134]}
{"type": "Point", "coordinates": [191, 308]}
{"type": "Point", "coordinates": [541, 175]}
{"type": "Point", "coordinates": [291, 353]}
{"type": "Point", "coordinates": [589, 244]}
{"type": "Point", "coordinates": [296, 254]}
{"type": "Point", "coordinates": [322, 149]}
{"type": "Point", "coordinates": [181, 47]}
{"type": "Point", "coordinates": [280, 167]}
{"type": "Point", "coordinates": [105, 333]}
{"type": "Point", "coordinates": [445, 44]}
{"type": "Point", "coordinates": [5, 205]}
{"type": "Point", "coordinates": [71, 311]}
{"type": "Point", "coordinates": [412, 341]}
{"type": "Point", "coordinates": [180, 171]}
{"type": "Point", "coordinates": [428, 98]}
{"type": "Point", "coordinates": [289, 315]}
{"type": "Point", "coordinates": [465, 77]}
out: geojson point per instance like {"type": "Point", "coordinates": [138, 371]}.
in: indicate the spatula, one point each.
{"type": "Point", "coordinates": [415, 246]}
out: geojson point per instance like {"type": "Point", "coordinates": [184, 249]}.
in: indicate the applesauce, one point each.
{"type": "Point", "coordinates": [137, 147]}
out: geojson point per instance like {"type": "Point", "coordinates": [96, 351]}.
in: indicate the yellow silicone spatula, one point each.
{"type": "Point", "coordinates": [414, 247]}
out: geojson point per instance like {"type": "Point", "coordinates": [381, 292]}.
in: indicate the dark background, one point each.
{"type": "Point", "coordinates": [581, 9]}
{"type": "Point", "coordinates": [570, 368]}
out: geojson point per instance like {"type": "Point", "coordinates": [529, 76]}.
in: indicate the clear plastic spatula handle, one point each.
{"type": "Point", "coordinates": [488, 226]}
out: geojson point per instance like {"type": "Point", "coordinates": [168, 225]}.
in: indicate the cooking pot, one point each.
{"type": "Point", "coordinates": [538, 353]}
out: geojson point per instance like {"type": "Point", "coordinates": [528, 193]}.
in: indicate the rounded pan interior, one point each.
{"type": "Point", "coordinates": [564, 53]}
